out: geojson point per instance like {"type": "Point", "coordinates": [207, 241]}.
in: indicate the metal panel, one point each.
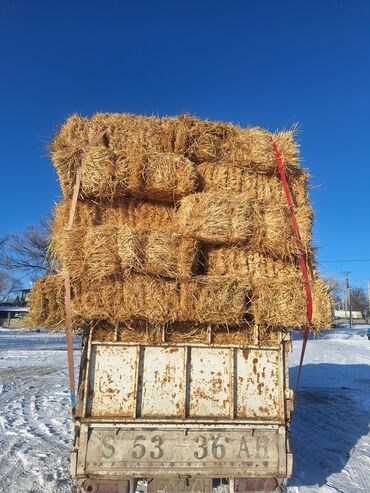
{"type": "Point", "coordinates": [218, 452]}
{"type": "Point", "coordinates": [163, 382]}
{"type": "Point", "coordinates": [112, 380]}
{"type": "Point", "coordinates": [180, 382]}
{"type": "Point", "coordinates": [210, 383]}
{"type": "Point", "coordinates": [260, 392]}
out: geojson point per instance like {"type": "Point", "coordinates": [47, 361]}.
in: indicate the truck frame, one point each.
{"type": "Point", "coordinates": [174, 418]}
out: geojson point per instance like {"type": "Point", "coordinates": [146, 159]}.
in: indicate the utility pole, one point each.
{"type": "Point", "coordinates": [348, 298]}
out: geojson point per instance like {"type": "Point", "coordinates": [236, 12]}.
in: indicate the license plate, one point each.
{"type": "Point", "coordinates": [176, 485]}
{"type": "Point", "coordinates": [159, 452]}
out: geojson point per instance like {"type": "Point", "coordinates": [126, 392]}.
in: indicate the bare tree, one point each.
{"type": "Point", "coordinates": [359, 300]}
{"type": "Point", "coordinates": [28, 252]}
{"type": "Point", "coordinates": [337, 290]}
{"type": "Point", "coordinates": [8, 286]}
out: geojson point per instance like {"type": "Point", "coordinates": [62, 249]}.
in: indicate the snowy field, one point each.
{"type": "Point", "coordinates": [331, 439]}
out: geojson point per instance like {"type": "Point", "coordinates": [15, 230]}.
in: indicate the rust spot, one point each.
{"type": "Point", "coordinates": [245, 353]}
{"type": "Point", "coordinates": [241, 379]}
{"type": "Point", "coordinates": [263, 409]}
{"type": "Point", "coordinates": [255, 366]}
{"type": "Point", "coordinates": [259, 388]}
{"type": "Point", "coordinates": [173, 350]}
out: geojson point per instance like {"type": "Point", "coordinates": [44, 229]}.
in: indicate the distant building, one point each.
{"type": "Point", "coordinates": [12, 311]}
{"type": "Point", "coordinates": [346, 314]}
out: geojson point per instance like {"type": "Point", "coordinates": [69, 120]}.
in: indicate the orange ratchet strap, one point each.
{"type": "Point", "coordinates": [67, 281]}
{"type": "Point", "coordinates": [301, 258]}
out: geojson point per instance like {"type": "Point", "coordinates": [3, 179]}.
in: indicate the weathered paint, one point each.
{"type": "Point", "coordinates": [185, 382]}
{"type": "Point", "coordinates": [112, 380]}
{"type": "Point", "coordinates": [259, 384]}
{"type": "Point", "coordinates": [162, 382]}
{"type": "Point", "coordinates": [210, 390]}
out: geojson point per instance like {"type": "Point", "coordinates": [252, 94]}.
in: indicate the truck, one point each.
{"type": "Point", "coordinates": [173, 418]}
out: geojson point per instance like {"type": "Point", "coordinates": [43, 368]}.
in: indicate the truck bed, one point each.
{"type": "Point", "coordinates": [182, 411]}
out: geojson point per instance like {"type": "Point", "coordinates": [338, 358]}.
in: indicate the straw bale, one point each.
{"type": "Point", "coordinates": [139, 214]}
{"type": "Point", "coordinates": [216, 217]}
{"type": "Point", "coordinates": [46, 303]}
{"type": "Point", "coordinates": [125, 131]}
{"type": "Point", "coordinates": [227, 178]}
{"type": "Point", "coordinates": [213, 300]}
{"type": "Point", "coordinates": [67, 149]}
{"type": "Point", "coordinates": [129, 249]}
{"type": "Point", "coordinates": [101, 252]}
{"type": "Point", "coordinates": [71, 251]}
{"type": "Point", "coordinates": [203, 140]}
{"type": "Point", "coordinates": [239, 262]}
{"type": "Point", "coordinates": [97, 178]}
{"type": "Point", "coordinates": [155, 175]}
{"type": "Point", "coordinates": [132, 298]}
{"type": "Point", "coordinates": [270, 337]}
{"type": "Point", "coordinates": [283, 304]}
{"type": "Point", "coordinates": [97, 300]}
{"type": "Point", "coordinates": [251, 148]}
{"type": "Point", "coordinates": [135, 213]}
{"type": "Point", "coordinates": [148, 298]}
{"type": "Point", "coordinates": [273, 231]}
{"type": "Point", "coordinates": [169, 254]}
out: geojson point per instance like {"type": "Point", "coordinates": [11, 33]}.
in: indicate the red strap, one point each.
{"type": "Point", "coordinates": [301, 258]}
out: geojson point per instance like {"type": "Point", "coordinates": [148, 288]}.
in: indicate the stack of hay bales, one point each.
{"type": "Point", "coordinates": [182, 231]}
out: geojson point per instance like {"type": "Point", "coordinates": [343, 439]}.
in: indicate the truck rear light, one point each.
{"type": "Point", "coordinates": [245, 485]}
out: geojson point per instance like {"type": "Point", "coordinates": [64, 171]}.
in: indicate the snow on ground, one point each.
{"type": "Point", "coordinates": [330, 431]}
{"type": "Point", "coordinates": [35, 428]}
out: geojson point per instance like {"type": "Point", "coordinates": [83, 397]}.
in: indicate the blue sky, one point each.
{"type": "Point", "coordinates": [264, 63]}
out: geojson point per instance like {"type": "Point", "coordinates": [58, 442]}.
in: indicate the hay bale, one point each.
{"type": "Point", "coordinates": [67, 149]}
{"type": "Point", "coordinates": [282, 304]}
{"type": "Point", "coordinates": [135, 213]}
{"type": "Point", "coordinates": [273, 231]}
{"type": "Point", "coordinates": [139, 141]}
{"type": "Point", "coordinates": [240, 263]}
{"type": "Point", "coordinates": [97, 176]}
{"type": "Point", "coordinates": [129, 249]}
{"type": "Point", "coordinates": [224, 177]}
{"type": "Point", "coordinates": [156, 252]}
{"type": "Point", "coordinates": [216, 218]}
{"type": "Point", "coordinates": [138, 214]}
{"type": "Point", "coordinates": [130, 159]}
{"type": "Point", "coordinates": [101, 252]}
{"type": "Point", "coordinates": [251, 148]}
{"type": "Point", "coordinates": [96, 301]}
{"type": "Point", "coordinates": [215, 301]}
{"type": "Point", "coordinates": [46, 302]}
{"type": "Point", "coordinates": [154, 175]}
{"type": "Point", "coordinates": [169, 254]}
{"type": "Point", "coordinates": [148, 298]}
{"type": "Point", "coordinates": [72, 254]}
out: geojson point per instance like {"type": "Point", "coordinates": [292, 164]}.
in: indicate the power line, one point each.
{"type": "Point", "coordinates": [346, 260]}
